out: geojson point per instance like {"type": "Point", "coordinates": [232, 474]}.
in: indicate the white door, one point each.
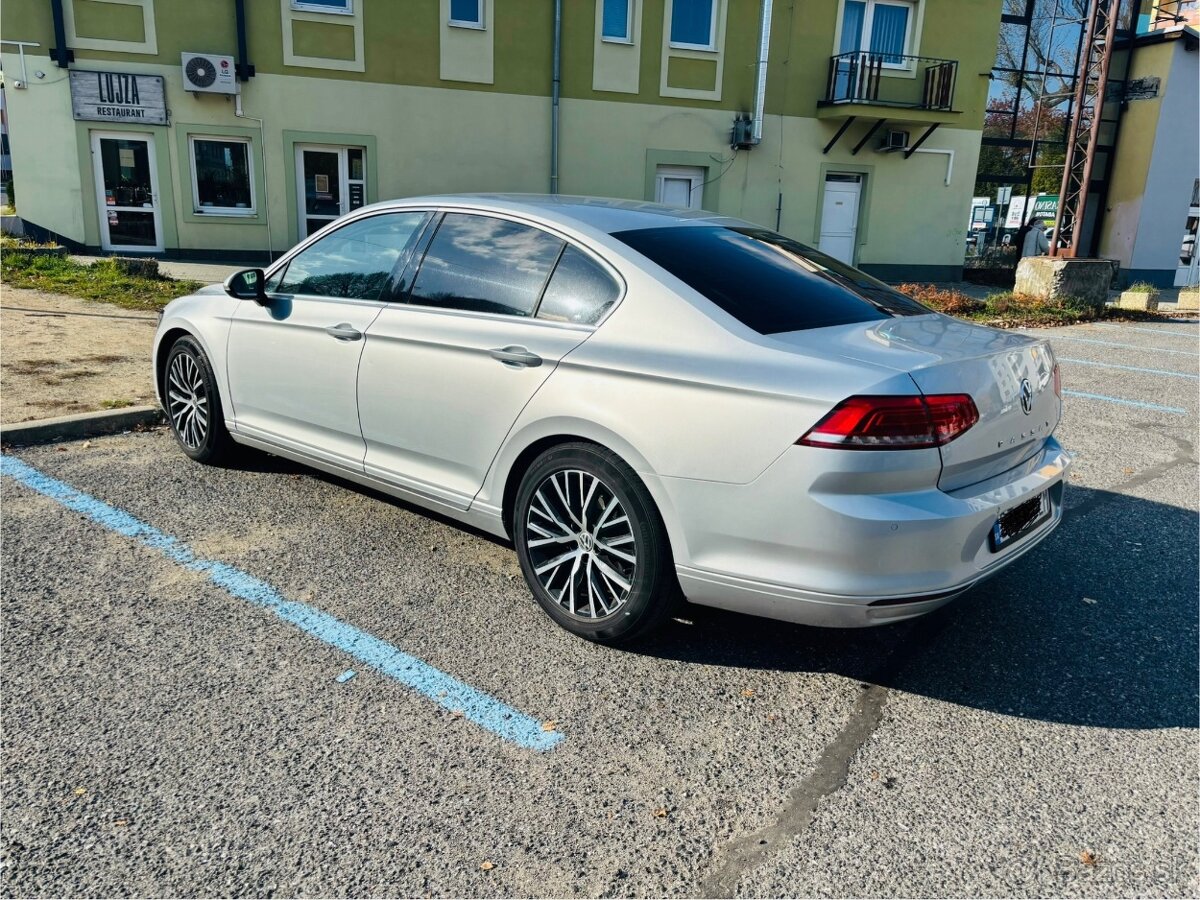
{"type": "Point", "coordinates": [330, 182]}
{"type": "Point", "coordinates": [126, 177]}
{"type": "Point", "coordinates": [681, 186]}
{"type": "Point", "coordinates": [839, 216]}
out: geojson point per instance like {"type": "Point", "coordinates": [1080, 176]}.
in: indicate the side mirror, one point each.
{"type": "Point", "coordinates": [248, 284]}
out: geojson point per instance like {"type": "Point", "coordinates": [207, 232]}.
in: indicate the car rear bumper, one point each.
{"type": "Point", "coordinates": [809, 548]}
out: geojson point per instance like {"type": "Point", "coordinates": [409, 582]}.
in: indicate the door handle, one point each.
{"type": "Point", "coordinates": [516, 357]}
{"type": "Point", "coordinates": [344, 331]}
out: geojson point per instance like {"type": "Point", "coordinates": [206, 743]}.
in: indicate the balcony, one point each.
{"type": "Point", "coordinates": [901, 88]}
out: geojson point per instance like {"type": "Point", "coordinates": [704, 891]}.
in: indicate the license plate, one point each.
{"type": "Point", "coordinates": [1020, 520]}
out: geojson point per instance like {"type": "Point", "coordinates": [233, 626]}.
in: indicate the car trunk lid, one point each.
{"type": "Point", "coordinates": [1009, 376]}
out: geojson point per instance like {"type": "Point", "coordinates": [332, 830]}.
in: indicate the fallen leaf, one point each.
{"type": "Point", "coordinates": [79, 791]}
{"type": "Point", "coordinates": [1089, 601]}
{"type": "Point", "coordinates": [487, 865]}
{"type": "Point", "coordinates": [1128, 470]}
{"type": "Point", "coordinates": [121, 822]}
{"type": "Point", "coordinates": [748, 692]}
{"type": "Point", "coordinates": [874, 776]}
{"type": "Point", "coordinates": [660, 813]}
{"type": "Point", "coordinates": [549, 725]}
{"type": "Point", "coordinates": [86, 444]}
{"type": "Point", "coordinates": [772, 717]}
{"type": "Point", "coordinates": [1089, 857]}
{"type": "Point", "coordinates": [456, 714]}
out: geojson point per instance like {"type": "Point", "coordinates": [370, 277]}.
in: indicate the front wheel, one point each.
{"type": "Point", "coordinates": [193, 405]}
{"type": "Point", "coordinates": [592, 545]}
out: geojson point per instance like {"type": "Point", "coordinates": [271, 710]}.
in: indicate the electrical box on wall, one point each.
{"type": "Point", "coordinates": [207, 73]}
{"type": "Point", "coordinates": [743, 133]}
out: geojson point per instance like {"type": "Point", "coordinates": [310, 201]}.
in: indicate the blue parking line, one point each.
{"type": "Point", "coordinates": [1062, 337]}
{"type": "Point", "coordinates": [442, 689]}
{"type": "Point", "coordinates": [1124, 402]}
{"type": "Point", "coordinates": [1100, 365]}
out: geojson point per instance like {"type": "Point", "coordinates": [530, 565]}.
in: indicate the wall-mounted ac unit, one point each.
{"type": "Point", "coordinates": [894, 140]}
{"type": "Point", "coordinates": [207, 73]}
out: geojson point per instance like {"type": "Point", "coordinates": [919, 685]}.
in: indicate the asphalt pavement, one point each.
{"type": "Point", "coordinates": [264, 681]}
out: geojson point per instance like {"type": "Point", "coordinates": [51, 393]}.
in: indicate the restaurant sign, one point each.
{"type": "Point", "coordinates": [118, 97]}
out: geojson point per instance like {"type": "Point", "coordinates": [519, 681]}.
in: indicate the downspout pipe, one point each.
{"type": "Point", "coordinates": [62, 53]}
{"type": "Point", "coordinates": [244, 69]}
{"type": "Point", "coordinates": [554, 90]}
{"type": "Point", "coordinates": [760, 82]}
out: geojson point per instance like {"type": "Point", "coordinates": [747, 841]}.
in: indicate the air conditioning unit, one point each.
{"type": "Point", "coordinates": [895, 140]}
{"type": "Point", "coordinates": [205, 73]}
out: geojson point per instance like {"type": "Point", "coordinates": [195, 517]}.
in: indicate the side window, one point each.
{"type": "Point", "coordinates": [580, 291]}
{"type": "Point", "coordinates": [353, 262]}
{"type": "Point", "coordinates": [481, 264]}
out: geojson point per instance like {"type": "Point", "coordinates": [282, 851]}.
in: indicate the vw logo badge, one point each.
{"type": "Point", "coordinates": [1026, 396]}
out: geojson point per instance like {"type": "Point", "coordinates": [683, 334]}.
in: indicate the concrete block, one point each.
{"type": "Point", "coordinates": [1055, 278]}
{"type": "Point", "coordinates": [1144, 300]}
{"type": "Point", "coordinates": [1189, 299]}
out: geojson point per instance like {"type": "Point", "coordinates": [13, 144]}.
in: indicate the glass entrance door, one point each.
{"type": "Point", "coordinates": [127, 192]}
{"type": "Point", "coordinates": [331, 181]}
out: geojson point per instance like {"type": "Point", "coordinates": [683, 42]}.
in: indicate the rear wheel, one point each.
{"type": "Point", "coordinates": [592, 545]}
{"type": "Point", "coordinates": [193, 404]}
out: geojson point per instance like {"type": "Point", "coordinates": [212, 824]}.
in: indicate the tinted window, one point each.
{"type": "Point", "coordinates": [768, 282]}
{"type": "Point", "coordinates": [482, 264]}
{"type": "Point", "coordinates": [354, 261]}
{"type": "Point", "coordinates": [580, 291]}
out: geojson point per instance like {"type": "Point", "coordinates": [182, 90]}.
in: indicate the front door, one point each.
{"type": "Point", "coordinates": [293, 363]}
{"type": "Point", "coordinates": [839, 216]}
{"type": "Point", "coordinates": [330, 182]}
{"type": "Point", "coordinates": [127, 192]}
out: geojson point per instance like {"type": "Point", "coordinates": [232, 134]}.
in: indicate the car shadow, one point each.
{"type": "Point", "coordinates": [1096, 626]}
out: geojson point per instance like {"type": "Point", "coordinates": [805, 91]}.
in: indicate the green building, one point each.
{"type": "Point", "coordinates": [203, 128]}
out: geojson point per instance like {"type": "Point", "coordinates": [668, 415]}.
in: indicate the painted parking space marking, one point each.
{"type": "Point", "coordinates": [443, 689]}
{"type": "Point", "coordinates": [1123, 402]}
{"type": "Point", "coordinates": [1100, 365]}
{"type": "Point", "coordinates": [1062, 337]}
{"type": "Point", "coordinates": [1186, 334]}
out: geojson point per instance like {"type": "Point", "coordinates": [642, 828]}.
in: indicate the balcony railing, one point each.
{"type": "Point", "coordinates": [862, 77]}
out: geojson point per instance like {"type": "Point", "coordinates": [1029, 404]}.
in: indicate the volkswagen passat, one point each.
{"type": "Point", "coordinates": [650, 402]}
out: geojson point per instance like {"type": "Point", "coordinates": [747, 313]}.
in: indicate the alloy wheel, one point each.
{"type": "Point", "coordinates": [581, 544]}
{"type": "Point", "coordinates": [187, 400]}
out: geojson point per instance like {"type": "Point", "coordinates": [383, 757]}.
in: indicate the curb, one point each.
{"type": "Point", "coordinates": [81, 425]}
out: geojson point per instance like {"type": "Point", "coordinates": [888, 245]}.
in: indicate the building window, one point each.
{"type": "Point", "coordinates": [681, 186]}
{"type": "Point", "coordinates": [618, 17]}
{"type": "Point", "coordinates": [694, 24]}
{"type": "Point", "coordinates": [341, 7]}
{"type": "Point", "coordinates": [882, 27]}
{"type": "Point", "coordinates": [466, 13]}
{"type": "Point", "coordinates": [222, 177]}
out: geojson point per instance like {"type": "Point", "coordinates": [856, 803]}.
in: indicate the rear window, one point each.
{"type": "Point", "coordinates": [768, 282]}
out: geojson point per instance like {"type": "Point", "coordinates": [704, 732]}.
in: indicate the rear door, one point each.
{"type": "Point", "coordinates": [478, 327]}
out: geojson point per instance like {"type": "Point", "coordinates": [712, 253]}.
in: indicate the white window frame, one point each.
{"type": "Point", "coordinates": [479, 24]}
{"type": "Point", "coordinates": [711, 46]}
{"type": "Point", "coordinates": [910, 29]}
{"type": "Point", "coordinates": [628, 38]}
{"type": "Point", "coordinates": [694, 175]}
{"type": "Point", "coordinates": [302, 6]}
{"type": "Point", "coordinates": [222, 210]}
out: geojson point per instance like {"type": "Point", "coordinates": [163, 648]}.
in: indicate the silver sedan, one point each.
{"type": "Point", "coordinates": [651, 403]}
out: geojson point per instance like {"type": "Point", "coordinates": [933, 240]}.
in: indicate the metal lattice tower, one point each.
{"type": "Point", "coordinates": [1099, 38]}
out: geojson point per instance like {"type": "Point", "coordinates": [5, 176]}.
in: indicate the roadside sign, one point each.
{"type": "Point", "coordinates": [1021, 209]}
{"type": "Point", "coordinates": [1003, 195]}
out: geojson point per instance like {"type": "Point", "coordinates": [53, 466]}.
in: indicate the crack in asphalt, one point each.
{"type": "Point", "coordinates": [829, 775]}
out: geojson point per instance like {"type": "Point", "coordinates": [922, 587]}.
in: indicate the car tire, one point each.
{"type": "Point", "coordinates": [193, 404]}
{"type": "Point", "coordinates": [592, 545]}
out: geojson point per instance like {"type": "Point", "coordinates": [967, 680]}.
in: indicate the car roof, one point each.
{"type": "Point", "coordinates": [606, 214]}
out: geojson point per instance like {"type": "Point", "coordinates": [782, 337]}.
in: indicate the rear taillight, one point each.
{"type": "Point", "coordinates": [894, 423]}
{"type": "Point", "coordinates": [1058, 381]}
